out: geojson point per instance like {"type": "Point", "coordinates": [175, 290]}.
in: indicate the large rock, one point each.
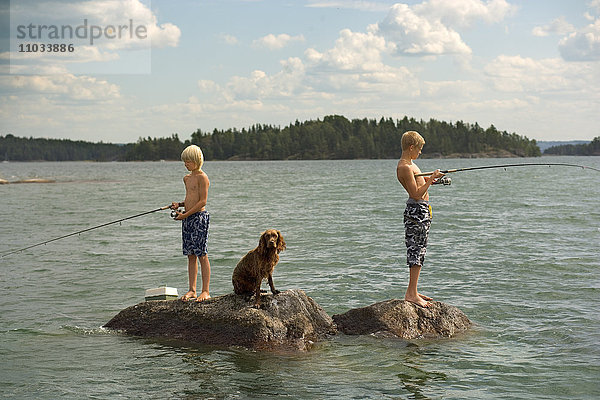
{"type": "Point", "coordinates": [287, 321]}
{"type": "Point", "coordinates": [404, 320]}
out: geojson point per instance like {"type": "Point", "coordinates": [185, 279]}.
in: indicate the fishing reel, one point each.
{"type": "Point", "coordinates": [174, 213]}
{"type": "Point", "coordinates": [444, 180]}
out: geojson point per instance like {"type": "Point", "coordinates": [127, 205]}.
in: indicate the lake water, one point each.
{"type": "Point", "coordinates": [517, 250]}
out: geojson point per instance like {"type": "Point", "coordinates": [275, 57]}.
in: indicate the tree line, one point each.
{"type": "Point", "coordinates": [333, 137]}
{"type": "Point", "coordinates": [588, 149]}
{"type": "Point", "coordinates": [13, 148]}
{"type": "Point", "coordinates": [336, 137]}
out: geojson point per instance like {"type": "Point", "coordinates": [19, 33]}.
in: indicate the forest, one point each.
{"type": "Point", "coordinates": [588, 149]}
{"type": "Point", "coordinates": [333, 137]}
{"type": "Point", "coordinates": [13, 148]}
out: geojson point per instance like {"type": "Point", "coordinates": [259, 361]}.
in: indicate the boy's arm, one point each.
{"type": "Point", "coordinates": [176, 204]}
{"type": "Point", "coordinates": [407, 178]}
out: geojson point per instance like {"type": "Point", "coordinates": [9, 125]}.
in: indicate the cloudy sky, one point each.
{"type": "Point", "coordinates": [526, 66]}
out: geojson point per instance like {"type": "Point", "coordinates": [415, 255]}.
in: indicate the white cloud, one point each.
{"type": "Point", "coordinates": [559, 26]}
{"type": "Point", "coordinates": [118, 13]}
{"type": "Point", "coordinates": [429, 28]}
{"type": "Point", "coordinates": [462, 13]}
{"type": "Point", "coordinates": [583, 45]}
{"type": "Point", "coordinates": [98, 32]}
{"type": "Point", "coordinates": [276, 42]}
{"type": "Point", "coordinates": [545, 77]}
{"type": "Point", "coordinates": [255, 88]}
{"type": "Point", "coordinates": [548, 98]}
{"type": "Point", "coordinates": [119, 24]}
{"type": "Point", "coordinates": [413, 34]}
{"type": "Point", "coordinates": [229, 39]}
{"type": "Point", "coordinates": [355, 63]}
{"type": "Point", "coordinates": [458, 90]}
{"type": "Point", "coordinates": [66, 106]}
{"type": "Point", "coordinates": [208, 86]}
{"type": "Point", "coordinates": [163, 35]}
{"type": "Point", "coordinates": [62, 87]}
{"type": "Point", "coordinates": [259, 85]}
{"type": "Point", "coordinates": [352, 51]}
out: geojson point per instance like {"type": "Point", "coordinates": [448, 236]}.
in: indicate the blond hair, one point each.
{"type": "Point", "coordinates": [194, 154]}
{"type": "Point", "coordinates": [412, 138]}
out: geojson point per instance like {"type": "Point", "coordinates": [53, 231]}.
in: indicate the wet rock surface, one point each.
{"type": "Point", "coordinates": [399, 318]}
{"type": "Point", "coordinates": [289, 320]}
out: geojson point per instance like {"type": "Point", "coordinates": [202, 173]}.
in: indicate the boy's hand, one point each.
{"type": "Point", "coordinates": [179, 216]}
{"type": "Point", "coordinates": [174, 205]}
{"type": "Point", "coordinates": [437, 174]}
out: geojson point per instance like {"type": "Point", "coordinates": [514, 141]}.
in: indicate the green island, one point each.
{"type": "Point", "coordinates": [333, 137]}
{"type": "Point", "coordinates": [583, 149]}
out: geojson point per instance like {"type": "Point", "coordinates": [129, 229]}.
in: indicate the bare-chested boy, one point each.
{"type": "Point", "coordinates": [195, 221]}
{"type": "Point", "coordinates": [417, 215]}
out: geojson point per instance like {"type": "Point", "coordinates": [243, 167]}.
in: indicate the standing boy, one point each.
{"type": "Point", "coordinates": [417, 215]}
{"type": "Point", "coordinates": [195, 221]}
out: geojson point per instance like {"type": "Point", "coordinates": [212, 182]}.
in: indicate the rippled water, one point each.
{"type": "Point", "coordinates": [517, 250]}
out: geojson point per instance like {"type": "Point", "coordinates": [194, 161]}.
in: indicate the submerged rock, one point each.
{"type": "Point", "coordinates": [403, 319]}
{"type": "Point", "coordinates": [289, 320]}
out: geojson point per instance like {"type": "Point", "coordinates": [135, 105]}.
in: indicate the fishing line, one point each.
{"type": "Point", "coordinates": [448, 171]}
{"type": "Point", "coordinates": [84, 230]}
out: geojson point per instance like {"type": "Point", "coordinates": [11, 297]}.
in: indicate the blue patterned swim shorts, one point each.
{"type": "Point", "coordinates": [417, 220]}
{"type": "Point", "coordinates": [194, 232]}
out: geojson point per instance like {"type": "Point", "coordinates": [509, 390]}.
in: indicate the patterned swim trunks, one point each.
{"type": "Point", "coordinates": [194, 232]}
{"type": "Point", "coordinates": [417, 221]}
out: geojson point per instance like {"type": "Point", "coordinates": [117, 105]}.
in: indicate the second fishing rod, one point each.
{"type": "Point", "coordinates": [445, 180]}
{"type": "Point", "coordinates": [449, 171]}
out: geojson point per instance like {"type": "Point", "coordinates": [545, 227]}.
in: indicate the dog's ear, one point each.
{"type": "Point", "coordinates": [280, 242]}
{"type": "Point", "coordinates": [262, 242]}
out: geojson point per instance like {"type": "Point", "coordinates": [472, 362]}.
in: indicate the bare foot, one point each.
{"type": "Point", "coordinates": [189, 295]}
{"type": "Point", "coordinates": [418, 301]}
{"type": "Point", "coordinates": [203, 296]}
{"type": "Point", "coordinates": [426, 298]}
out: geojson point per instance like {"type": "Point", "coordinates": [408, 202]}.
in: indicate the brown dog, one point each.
{"type": "Point", "coordinates": [257, 265]}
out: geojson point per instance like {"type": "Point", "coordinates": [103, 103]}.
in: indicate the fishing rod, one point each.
{"type": "Point", "coordinates": [448, 171]}
{"type": "Point", "coordinates": [84, 230]}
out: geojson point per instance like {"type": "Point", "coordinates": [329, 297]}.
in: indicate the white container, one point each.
{"type": "Point", "coordinates": [162, 293]}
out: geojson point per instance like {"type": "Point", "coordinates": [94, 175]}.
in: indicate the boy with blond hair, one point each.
{"type": "Point", "coordinates": [417, 215]}
{"type": "Point", "coordinates": [195, 221]}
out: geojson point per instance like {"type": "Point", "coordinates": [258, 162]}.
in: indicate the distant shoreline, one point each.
{"type": "Point", "coordinates": [332, 137]}
{"type": "Point", "coordinates": [458, 156]}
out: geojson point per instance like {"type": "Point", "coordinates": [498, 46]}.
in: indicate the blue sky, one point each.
{"type": "Point", "coordinates": [530, 67]}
